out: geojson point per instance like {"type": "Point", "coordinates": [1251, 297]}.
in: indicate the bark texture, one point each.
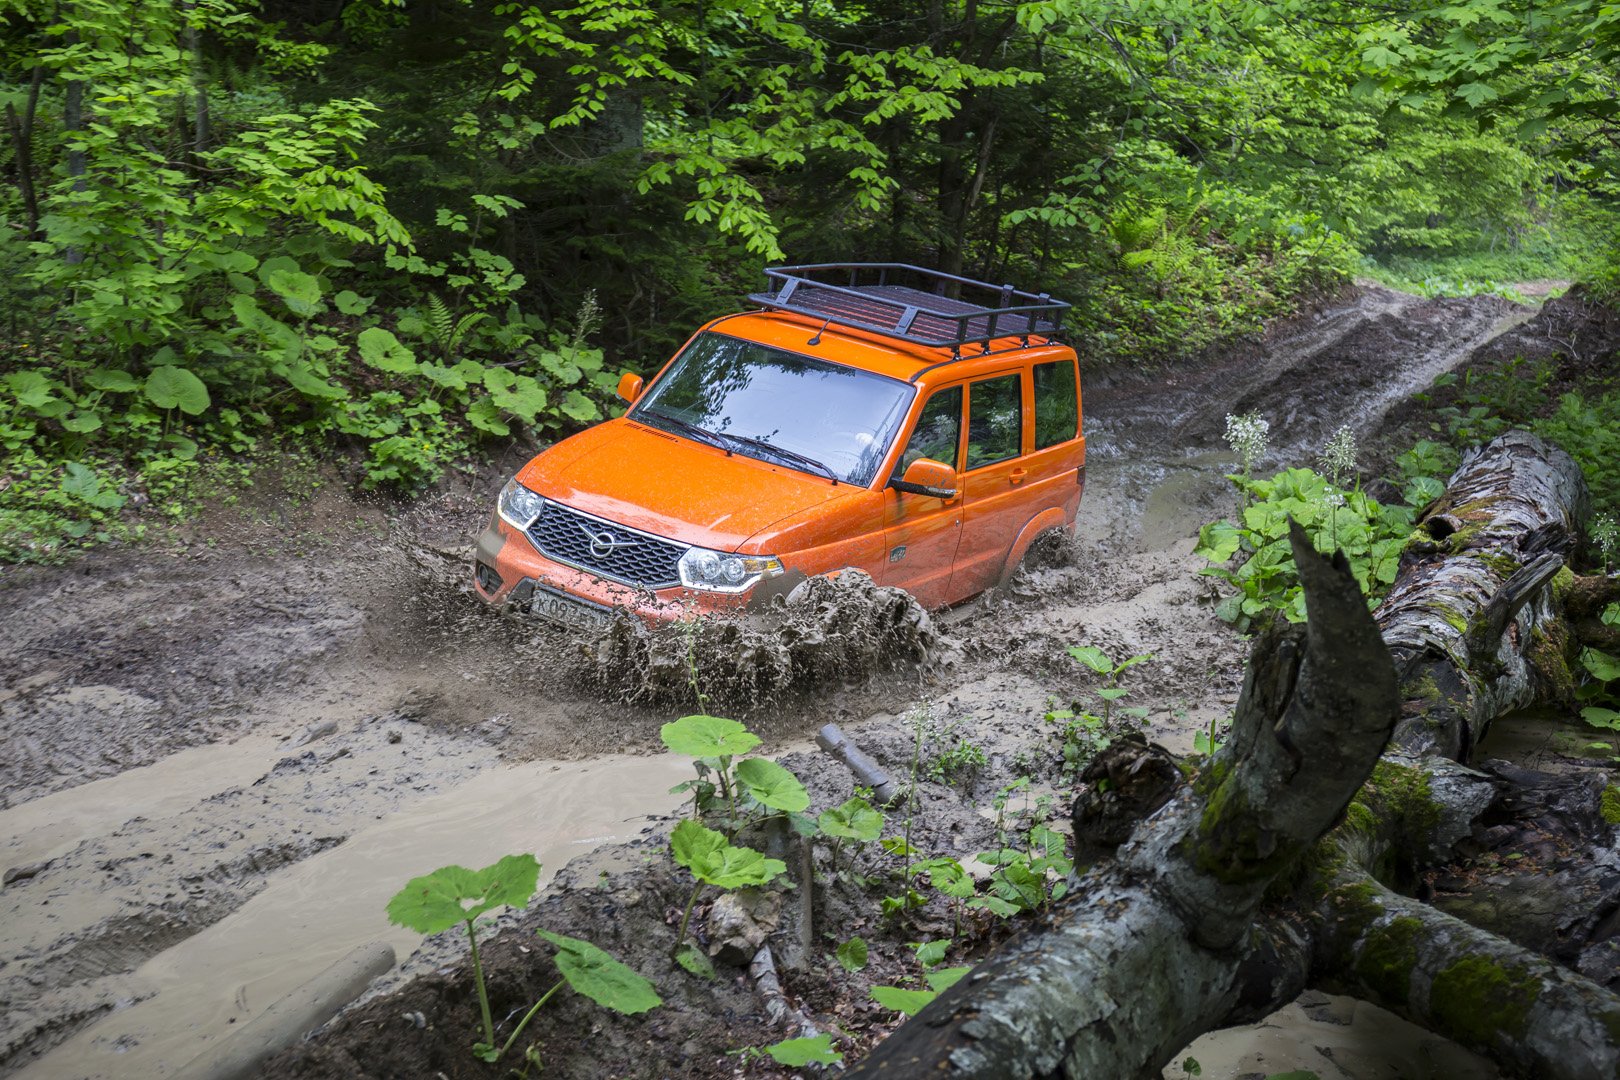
{"type": "Point", "coordinates": [1471, 620]}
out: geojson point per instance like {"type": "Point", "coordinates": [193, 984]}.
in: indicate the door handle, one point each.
{"type": "Point", "coordinates": [1017, 475]}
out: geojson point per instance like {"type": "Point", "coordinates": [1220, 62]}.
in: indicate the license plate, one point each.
{"type": "Point", "coordinates": [565, 610]}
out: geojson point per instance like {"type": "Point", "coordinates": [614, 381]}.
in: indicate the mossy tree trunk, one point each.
{"type": "Point", "coordinates": [1472, 620]}
{"type": "Point", "coordinates": [1305, 811]}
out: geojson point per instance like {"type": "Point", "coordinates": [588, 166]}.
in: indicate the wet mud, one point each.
{"type": "Point", "coordinates": [190, 731]}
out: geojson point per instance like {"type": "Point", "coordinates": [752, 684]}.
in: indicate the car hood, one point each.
{"type": "Point", "coordinates": [674, 487]}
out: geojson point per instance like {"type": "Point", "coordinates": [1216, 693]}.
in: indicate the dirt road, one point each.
{"type": "Point", "coordinates": [217, 760]}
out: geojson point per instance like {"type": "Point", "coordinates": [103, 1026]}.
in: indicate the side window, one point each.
{"type": "Point", "coordinates": [995, 421]}
{"type": "Point", "coordinates": [939, 427]}
{"type": "Point", "coordinates": [1057, 410]}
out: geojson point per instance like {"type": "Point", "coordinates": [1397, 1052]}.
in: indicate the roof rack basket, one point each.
{"type": "Point", "coordinates": [911, 303]}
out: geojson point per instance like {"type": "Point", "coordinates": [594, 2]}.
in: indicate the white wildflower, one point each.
{"type": "Point", "coordinates": [1248, 436]}
{"type": "Point", "coordinates": [1333, 499]}
{"type": "Point", "coordinates": [1606, 535]}
{"type": "Point", "coordinates": [1339, 456]}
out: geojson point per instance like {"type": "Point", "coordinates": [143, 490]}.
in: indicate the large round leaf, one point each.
{"type": "Point", "coordinates": [854, 820]}
{"type": "Point", "coordinates": [454, 894]}
{"type": "Point", "coordinates": [171, 387]}
{"type": "Point", "coordinates": [772, 786]}
{"type": "Point", "coordinates": [601, 978]}
{"type": "Point", "coordinates": [299, 291]}
{"type": "Point", "coordinates": [707, 736]}
{"type": "Point", "coordinates": [383, 351]}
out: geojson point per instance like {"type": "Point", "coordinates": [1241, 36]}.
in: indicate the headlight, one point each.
{"type": "Point", "coordinates": [718, 571]}
{"type": "Point", "coordinates": [518, 505]}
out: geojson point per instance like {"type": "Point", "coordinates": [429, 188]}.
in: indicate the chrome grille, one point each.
{"type": "Point", "coordinates": [606, 549]}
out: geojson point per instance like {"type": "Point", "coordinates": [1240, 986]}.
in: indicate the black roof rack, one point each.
{"type": "Point", "coordinates": [912, 303]}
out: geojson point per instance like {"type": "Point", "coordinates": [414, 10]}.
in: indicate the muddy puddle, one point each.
{"type": "Point", "coordinates": [218, 760]}
{"type": "Point", "coordinates": [175, 1005]}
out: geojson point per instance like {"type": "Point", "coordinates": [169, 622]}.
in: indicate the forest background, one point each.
{"type": "Point", "coordinates": [398, 235]}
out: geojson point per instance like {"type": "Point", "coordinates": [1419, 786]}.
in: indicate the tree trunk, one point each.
{"type": "Point", "coordinates": [1168, 939]}
{"type": "Point", "coordinates": [1470, 622]}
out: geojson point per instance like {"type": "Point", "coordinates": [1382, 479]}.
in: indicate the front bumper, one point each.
{"type": "Point", "coordinates": [507, 568]}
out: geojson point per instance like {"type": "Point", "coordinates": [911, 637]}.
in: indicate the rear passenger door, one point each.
{"type": "Point", "coordinates": [996, 499]}
{"type": "Point", "coordinates": [921, 532]}
{"type": "Point", "coordinates": [1056, 453]}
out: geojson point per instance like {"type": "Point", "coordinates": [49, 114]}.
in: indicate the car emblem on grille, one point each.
{"type": "Point", "coordinates": [605, 543]}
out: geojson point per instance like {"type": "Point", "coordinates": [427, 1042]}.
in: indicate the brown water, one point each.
{"type": "Point", "coordinates": [316, 911]}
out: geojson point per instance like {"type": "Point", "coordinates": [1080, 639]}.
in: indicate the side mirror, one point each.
{"type": "Point", "coordinates": [925, 476]}
{"type": "Point", "coordinates": [630, 386]}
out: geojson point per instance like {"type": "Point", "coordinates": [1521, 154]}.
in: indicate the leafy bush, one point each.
{"type": "Point", "coordinates": [1370, 535]}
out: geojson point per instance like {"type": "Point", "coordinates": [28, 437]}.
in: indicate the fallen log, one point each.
{"type": "Point", "coordinates": [1471, 621]}
{"type": "Point", "coordinates": [1167, 939]}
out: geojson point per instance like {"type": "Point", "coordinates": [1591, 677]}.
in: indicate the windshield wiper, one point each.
{"type": "Point", "coordinates": [686, 427]}
{"type": "Point", "coordinates": [784, 452]}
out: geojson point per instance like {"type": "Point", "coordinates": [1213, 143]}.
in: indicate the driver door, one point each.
{"type": "Point", "coordinates": [921, 532]}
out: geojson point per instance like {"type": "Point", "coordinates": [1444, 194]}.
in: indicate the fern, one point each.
{"type": "Point", "coordinates": [440, 322]}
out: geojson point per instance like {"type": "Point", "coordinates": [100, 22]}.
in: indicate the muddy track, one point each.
{"type": "Point", "coordinates": [191, 739]}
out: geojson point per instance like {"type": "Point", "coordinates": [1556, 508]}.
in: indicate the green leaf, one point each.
{"type": "Point", "coordinates": [1112, 693]}
{"type": "Point", "coordinates": [118, 382]}
{"type": "Point", "coordinates": [797, 1053]}
{"type": "Point", "coordinates": [707, 736]}
{"type": "Point", "coordinates": [301, 292]}
{"type": "Point", "coordinates": [31, 388]}
{"type": "Point", "coordinates": [350, 302]}
{"type": "Point", "coordinates": [576, 406]}
{"type": "Point", "coordinates": [601, 978]}
{"type": "Point", "coordinates": [771, 785]}
{"type": "Point", "coordinates": [180, 446]}
{"type": "Point", "coordinates": [852, 954]}
{"type": "Point", "coordinates": [901, 1000]}
{"type": "Point", "coordinates": [176, 388]}
{"type": "Point", "coordinates": [1094, 658]}
{"type": "Point", "coordinates": [80, 481]}
{"type": "Point", "coordinates": [692, 959]}
{"type": "Point", "coordinates": [383, 351]}
{"type": "Point", "coordinates": [1601, 718]}
{"type": "Point", "coordinates": [1218, 541]}
{"type": "Point", "coordinates": [484, 415]}
{"type": "Point", "coordinates": [854, 820]}
{"type": "Point", "coordinates": [82, 422]}
{"type": "Point", "coordinates": [1600, 664]}
{"type": "Point", "coordinates": [311, 385]}
{"type": "Point", "coordinates": [453, 894]}
{"type": "Point", "coordinates": [714, 861]}
{"type": "Point", "coordinates": [945, 978]}
{"type": "Point", "coordinates": [932, 953]}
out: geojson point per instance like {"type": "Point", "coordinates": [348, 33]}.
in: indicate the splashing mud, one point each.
{"type": "Point", "coordinates": [827, 631]}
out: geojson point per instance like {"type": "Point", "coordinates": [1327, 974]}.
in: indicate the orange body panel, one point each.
{"type": "Point", "coordinates": [631, 476]}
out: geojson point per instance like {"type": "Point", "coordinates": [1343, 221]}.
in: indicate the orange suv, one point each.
{"type": "Point", "coordinates": [922, 427]}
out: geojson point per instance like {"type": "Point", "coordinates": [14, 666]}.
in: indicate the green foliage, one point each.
{"type": "Point", "coordinates": [855, 819]}
{"type": "Point", "coordinates": [715, 861]}
{"type": "Point", "coordinates": [911, 1002]}
{"type": "Point", "coordinates": [797, 1053]}
{"type": "Point", "coordinates": [707, 736]}
{"type": "Point", "coordinates": [852, 955]}
{"type": "Point", "coordinates": [600, 977]}
{"type": "Point", "coordinates": [453, 894]}
{"type": "Point", "coordinates": [1371, 536]}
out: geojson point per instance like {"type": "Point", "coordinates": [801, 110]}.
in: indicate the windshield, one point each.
{"type": "Point", "coordinates": [778, 406]}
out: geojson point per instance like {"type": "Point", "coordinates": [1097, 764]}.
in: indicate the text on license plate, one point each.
{"type": "Point", "coordinates": [566, 611]}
